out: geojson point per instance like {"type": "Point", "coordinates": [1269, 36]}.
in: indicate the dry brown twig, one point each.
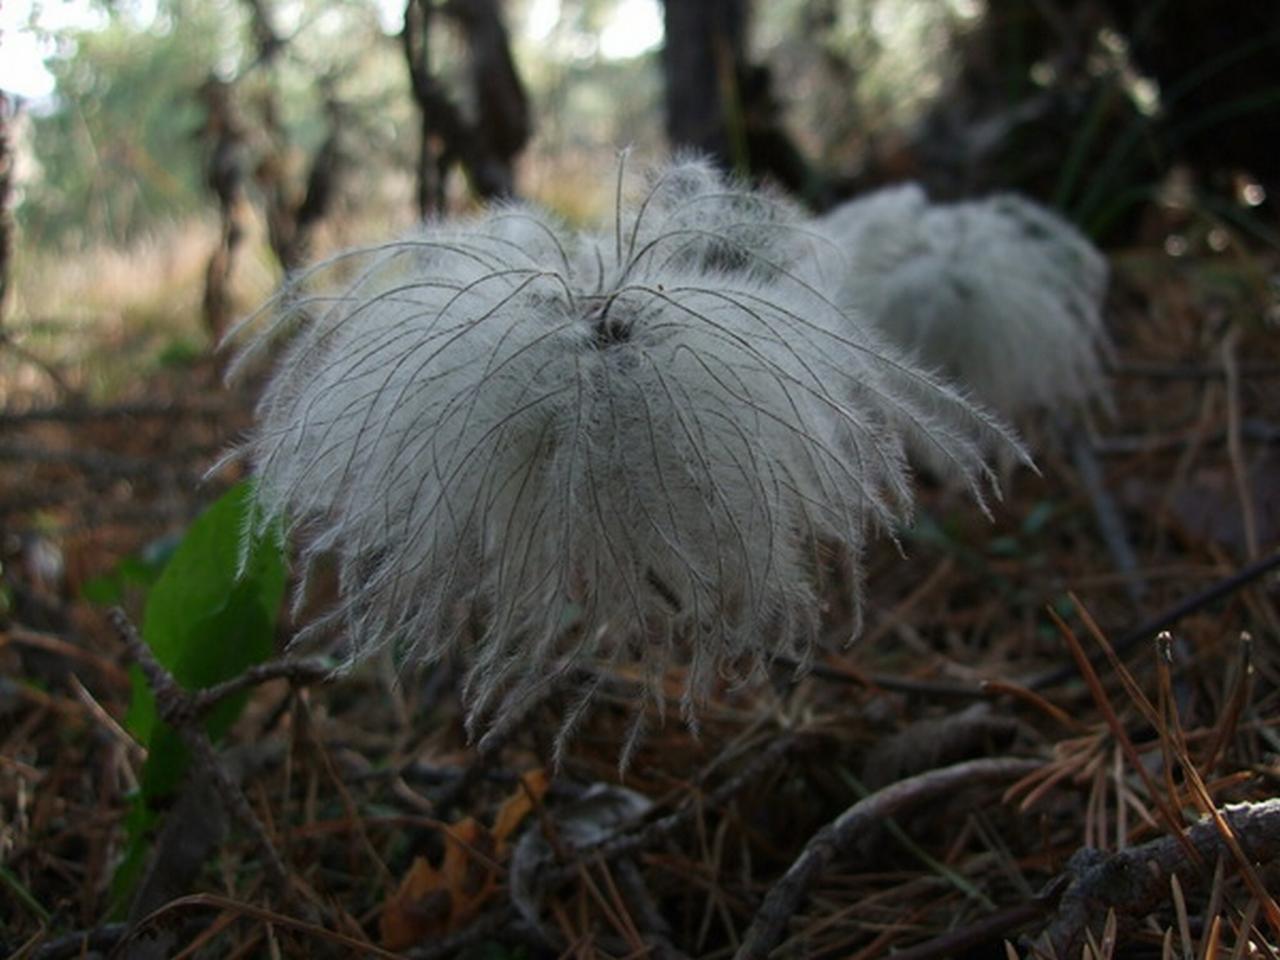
{"type": "Point", "coordinates": [1106, 512]}
{"type": "Point", "coordinates": [626, 841]}
{"type": "Point", "coordinates": [1133, 882]}
{"type": "Point", "coordinates": [265, 916]}
{"type": "Point", "coordinates": [81, 943]}
{"type": "Point", "coordinates": [652, 833]}
{"type": "Point", "coordinates": [178, 709]}
{"type": "Point", "coordinates": [298, 672]}
{"type": "Point", "coordinates": [1129, 884]}
{"type": "Point", "coordinates": [1167, 618]}
{"type": "Point", "coordinates": [1235, 449]}
{"type": "Point", "coordinates": [824, 846]}
{"type": "Point", "coordinates": [985, 930]}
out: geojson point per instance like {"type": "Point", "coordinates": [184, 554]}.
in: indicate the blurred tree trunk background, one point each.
{"type": "Point", "coordinates": [486, 144]}
{"type": "Point", "coordinates": [6, 203]}
{"type": "Point", "coordinates": [259, 111]}
{"type": "Point", "coordinates": [721, 104]}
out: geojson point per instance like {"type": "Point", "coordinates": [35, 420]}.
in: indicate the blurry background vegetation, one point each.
{"type": "Point", "coordinates": [168, 133]}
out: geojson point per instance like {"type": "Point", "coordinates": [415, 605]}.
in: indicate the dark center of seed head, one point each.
{"type": "Point", "coordinates": [608, 322]}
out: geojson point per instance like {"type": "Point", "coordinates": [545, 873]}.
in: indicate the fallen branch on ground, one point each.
{"type": "Point", "coordinates": [824, 846]}
{"type": "Point", "coordinates": [1133, 882]}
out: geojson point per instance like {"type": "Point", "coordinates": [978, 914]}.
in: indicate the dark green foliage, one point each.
{"type": "Point", "coordinates": [211, 614]}
{"type": "Point", "coordinates": [206, 621]}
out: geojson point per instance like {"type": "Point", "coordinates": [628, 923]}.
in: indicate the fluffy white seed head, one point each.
{"type": "Point", "coordinates": [1000, 294]}
{"type": "Point", "coordinates": [547, 451]}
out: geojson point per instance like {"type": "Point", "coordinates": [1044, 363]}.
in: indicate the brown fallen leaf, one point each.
{"type": "Point", "coordinates": [432, 901]}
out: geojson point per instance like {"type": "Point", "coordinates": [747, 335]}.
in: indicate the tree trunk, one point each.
{"type": "Point", "coordinates": [487, 144]}
{"type": "Point", "coordinates": [8, 112]}
{"type": "Point", "coordinates": [703, 57]}
{"type": "Point", "coordinates": [226, 175]}
{"type": "Point", "coordinates": [722, 106]}
{"type": "Point", "coordinates": [293, 209]}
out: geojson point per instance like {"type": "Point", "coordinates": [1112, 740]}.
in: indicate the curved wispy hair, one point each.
{"type": "Point", "coordinates": [1000, 294]}
{"type": "Point", "coordinates": [546, 450]}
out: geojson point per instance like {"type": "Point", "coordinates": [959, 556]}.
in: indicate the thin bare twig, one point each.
{"type": "Point", "coordinates": [1130, 639]}
{"type": "Point", "coordinates": [297, 672]}
{"type": "Point", "coordinates": [1000, 924]}
{"type": "Point", "coordinates": [1235, 449]}
{"type": "Point", "coordinates": [1111, 523]}
{"type": "Point", "coordinates": [824, 846]}
{"type": "Point", "coordinates": [1163, 621]}
{"type": "Point", "coordinates": [81, 942]}
{"type": "Point", "coordinates": [176, 708]}
{"type": "Point", "coordinates": [215, 902]}
{"type": "Point", "coordinates": [652, 833]}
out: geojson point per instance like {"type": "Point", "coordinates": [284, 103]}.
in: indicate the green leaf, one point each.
{"type": "Point", "coordinates": [211, 614]}
{"type": "Point", "coordinates": [139, 822]}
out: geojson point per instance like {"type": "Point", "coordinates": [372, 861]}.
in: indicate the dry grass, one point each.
{"type": "Point", "coordinates": [101, 321]}
{"type": "Point", "coordinates": [104, 320]}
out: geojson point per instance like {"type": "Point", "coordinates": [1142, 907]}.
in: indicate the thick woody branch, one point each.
{"type": "Point", "coordinates": [1134, 882]}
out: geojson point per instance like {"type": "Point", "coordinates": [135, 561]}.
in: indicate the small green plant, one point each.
{"type": "Point", "coordinates": [210, 615]}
